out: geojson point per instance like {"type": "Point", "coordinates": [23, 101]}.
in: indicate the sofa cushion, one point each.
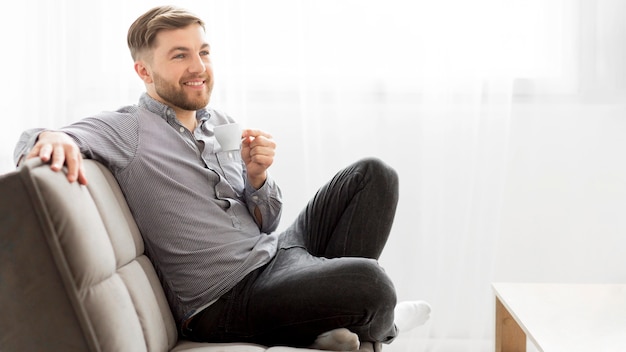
{"type": "Point", "coordinates": [73, 274]}
{"type": "Point", "coordinates": [37, 314]}
{"type": "Point", "coordinates": [102, 291]}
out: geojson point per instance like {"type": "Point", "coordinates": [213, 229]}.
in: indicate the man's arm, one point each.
{"type": "Point", "coordinates": [60, 149]}
{"type": "Point", "coordinates": [265, 204]}
{"type": "Point", "coordinates": [55, 147]}
{"type": "Point", "coordinates": [25, 144]}
{"type": "Point", "coordinates": [257, 150]}
{"type": "Point", "coordinates": [263, 196]}
{"type": "Point", "coordinates": [98, 137]}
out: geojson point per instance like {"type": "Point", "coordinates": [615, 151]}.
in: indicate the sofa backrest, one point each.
{"type": "Point", "coordinates": [73, 276]}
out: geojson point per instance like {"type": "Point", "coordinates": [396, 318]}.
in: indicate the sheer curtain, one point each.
{"type": "Point", "coordinates": [504, 120]}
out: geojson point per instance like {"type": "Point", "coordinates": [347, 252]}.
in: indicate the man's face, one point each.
{"type": "Point", "coordinates": [180, 68]}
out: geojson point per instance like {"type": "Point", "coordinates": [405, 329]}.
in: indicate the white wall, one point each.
{"type": "Point", "coordinates": [564, 213]}
{"type": "Point", "coordinates": [562, 219]}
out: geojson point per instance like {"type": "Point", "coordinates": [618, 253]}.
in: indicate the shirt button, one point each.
{"type": "Point", "coordinates": [182, 129]}
{"type": "Point", "coordinates": [255, 197]}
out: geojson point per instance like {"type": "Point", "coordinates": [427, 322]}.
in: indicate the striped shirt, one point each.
{"type": "Point", "coordinates": [190, 200]}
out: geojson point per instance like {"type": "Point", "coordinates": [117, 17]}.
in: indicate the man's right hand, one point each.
{"type": "Point", "coordinates": [58, 148]}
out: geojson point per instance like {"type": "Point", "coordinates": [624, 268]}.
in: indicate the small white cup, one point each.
{"type": "Point", "coordinates": [228, 136]}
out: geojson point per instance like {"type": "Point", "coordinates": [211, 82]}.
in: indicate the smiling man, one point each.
{"type": "Point", "coordinates": [176, 69]}
{"type": "Point", "coordinates": [208, 218]}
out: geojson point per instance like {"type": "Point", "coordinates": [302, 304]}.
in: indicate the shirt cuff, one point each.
{"type": "Point", "coordinates": [261, 195]}
{"type": "Point", "coordinates": [25, 144]}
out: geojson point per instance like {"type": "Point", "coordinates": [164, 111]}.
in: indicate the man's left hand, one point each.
{"type": "Point", "coordinates": [257, 150]}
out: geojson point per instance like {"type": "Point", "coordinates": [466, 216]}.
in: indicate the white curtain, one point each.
{"type": "Point", "coordinates": [504, 119]}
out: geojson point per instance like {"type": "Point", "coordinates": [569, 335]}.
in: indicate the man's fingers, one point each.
{"type": "Point", "coordinates": [74, 163]}
{"type": "Point", "coordinates": [262, 141]}
{"type": "Point", "coordinates": [75, 168]}
{"type": "Point", "coordinates": [82, 178]}
{"type": "Point", "coordinates": [33, 152]}
{"type": "Point", "coordinates": [58, 157]}
{"type": "Point", "coordinates": [59, 149]}
{"type": "Point", "coordinates": [256, 133]}
{"type": "Point", "coordinates": [40, 152]}
{"type": "Point", "coordinates": [76, 173]}
{"type": "Point", "coordinates": [262, 150]}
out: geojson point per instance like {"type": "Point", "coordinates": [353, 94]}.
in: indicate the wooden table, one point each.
{"type": "Point", "coordinates": [560, 317]}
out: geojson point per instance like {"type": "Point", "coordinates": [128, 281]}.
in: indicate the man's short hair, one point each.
{"type": "Point", "coordinates": [142, 33]}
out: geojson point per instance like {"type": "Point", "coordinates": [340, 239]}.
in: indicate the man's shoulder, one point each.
{"type": "Point", "coordinates": [218, 116]}
{"type": "Point", "coordinates": [126, 117]}
{"type": "Point", "coordinates": [128, 113]}
{"type": "Point", "coordinates": [128, 109]}
{"type": "Point", "coordinates": [124, 111]}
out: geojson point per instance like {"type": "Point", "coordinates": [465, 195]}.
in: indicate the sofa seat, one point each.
{"type": "Point", "coordinates": [73, 274]}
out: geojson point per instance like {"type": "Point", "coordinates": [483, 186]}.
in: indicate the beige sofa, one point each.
{"type": "Point", "coordinates": [73, 274]}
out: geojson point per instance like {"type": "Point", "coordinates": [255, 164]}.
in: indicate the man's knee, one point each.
{"type": "Point", "coordinates": [375, 297]}
{"type": "Point", "coordinates": [374, 287]}
{"type": "Point", "coordinates": [380, 172]}
{"type": "Point", "coordinates": [379, 167]}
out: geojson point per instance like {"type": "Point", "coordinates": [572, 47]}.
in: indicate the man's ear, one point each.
{"type": "Point", "coordinates": [143, 72]}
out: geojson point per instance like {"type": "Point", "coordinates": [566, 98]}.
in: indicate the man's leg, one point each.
{"type": "Point", "coordinates": [340, 339]}
{"type": "Point", "coordinates": [298, 297]}
{"type": "Point", "coordinates": [352, 215]}
{"type": "Point", "coordinates": [301, 294]}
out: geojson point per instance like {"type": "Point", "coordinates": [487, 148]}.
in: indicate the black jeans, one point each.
{"type": "Point", "coordinates": [325, 274]}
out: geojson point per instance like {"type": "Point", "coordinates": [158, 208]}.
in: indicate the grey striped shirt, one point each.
{"type": "Point", "coordinates": [190, 200]}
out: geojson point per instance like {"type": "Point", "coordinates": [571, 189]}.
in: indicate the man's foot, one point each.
{"type": "Point", "coordinates": [337, 340]}
{"type": "Point", "coordinates": [370, 347]}
{"type": "Point", "coordinates": [411, 314]}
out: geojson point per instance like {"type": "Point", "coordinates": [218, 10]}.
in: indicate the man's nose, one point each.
{"type": "Point", "coordinates": [197, 65]}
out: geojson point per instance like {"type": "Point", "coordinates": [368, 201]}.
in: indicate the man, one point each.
{"type": "Point", "coordinates": [208, 217]}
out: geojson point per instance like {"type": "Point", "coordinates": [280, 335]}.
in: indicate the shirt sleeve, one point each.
{"type": "Point", "coordinates": [25, 144]}
{"type": "Point", "coordinates": [110, 138]}
{"type": "Point", "coordinates": [268, 200]}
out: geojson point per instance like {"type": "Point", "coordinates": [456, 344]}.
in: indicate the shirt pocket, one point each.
{"type": "Point", "coordinates": [231, 166]}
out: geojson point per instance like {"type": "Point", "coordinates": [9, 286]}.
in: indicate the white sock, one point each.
{"type": "Point", "coordinates": [337, 340]}
{"type": "Point", "coordinates": [411, 314]}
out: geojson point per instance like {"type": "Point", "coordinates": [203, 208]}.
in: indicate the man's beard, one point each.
{"type": "Point", "coordinates": [175, 96]}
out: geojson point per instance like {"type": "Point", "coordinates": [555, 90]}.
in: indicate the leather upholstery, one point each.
{"type": "Point", "coordinates": [73, 274]}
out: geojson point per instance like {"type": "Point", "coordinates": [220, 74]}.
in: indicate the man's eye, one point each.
{"type": "Point", "coordinates": [204, 53]}
{"type": "Point", "coordinates": [179, 56]}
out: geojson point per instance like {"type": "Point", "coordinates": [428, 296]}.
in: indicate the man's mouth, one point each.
{"type": "Point", "coordinates": [194, 83]}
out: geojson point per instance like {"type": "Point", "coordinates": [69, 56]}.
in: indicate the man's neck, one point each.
{"type": "Point", "coordinates": [187, 118]}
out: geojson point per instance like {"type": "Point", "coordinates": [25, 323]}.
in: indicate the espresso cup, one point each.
{"type": "Point", "coordinates": [228, 136]}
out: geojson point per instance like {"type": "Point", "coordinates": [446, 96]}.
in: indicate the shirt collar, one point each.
{"type": "Point", "coordinates": [167, 113]}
